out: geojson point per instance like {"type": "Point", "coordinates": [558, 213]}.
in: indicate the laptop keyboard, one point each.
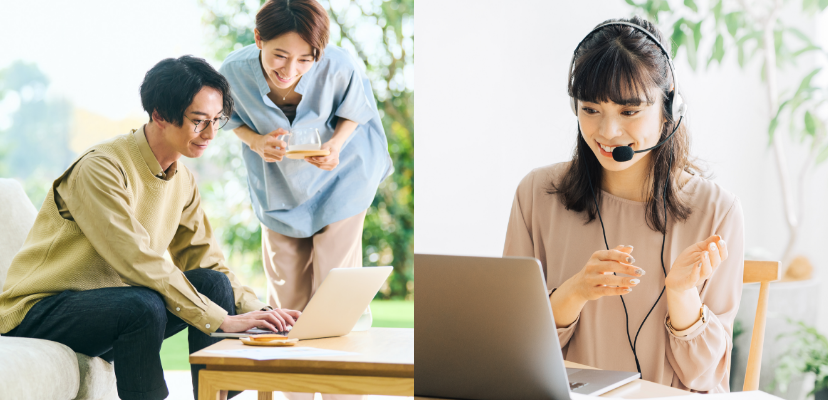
{"type": "Point", "coordinates": [257, 331]}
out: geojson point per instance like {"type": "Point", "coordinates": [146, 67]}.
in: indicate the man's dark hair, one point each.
{"type": "Point", "coordinates": [169, 87]}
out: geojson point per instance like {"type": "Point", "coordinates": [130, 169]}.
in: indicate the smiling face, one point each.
{"type": "Point", "coordinates": [285, 58]}
{"type": "Point", "coordinates": [606, 125]}
{"type": "Point", "coordinates": [207, 105]}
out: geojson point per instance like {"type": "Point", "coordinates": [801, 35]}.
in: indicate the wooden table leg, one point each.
{"type": "Point", "coordinates": [206, 389]}
{"type": "Point", "coordinates": [265, 395]}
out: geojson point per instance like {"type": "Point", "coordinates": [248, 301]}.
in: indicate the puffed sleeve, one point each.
{"type": "Point", "coordinates": [358, 103]}
{"type": "Point", "coordinates": [519, 241]}
{"type": "Point", "coordinates": [700, 359]}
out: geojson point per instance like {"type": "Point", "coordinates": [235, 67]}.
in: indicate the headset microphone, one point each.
{"type": "Point", "coordinates": [625, 153]}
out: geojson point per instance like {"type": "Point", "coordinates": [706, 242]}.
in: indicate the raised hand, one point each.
{"type": "Point", "coordinates": [596, 279]}
{"type": "Point", "coordinates": [696, 263]}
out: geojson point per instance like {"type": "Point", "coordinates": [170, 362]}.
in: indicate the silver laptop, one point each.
{"type": "Point", "coordinates": [484, 330]}
{"type": "Point", "coordinates": [335, 307]}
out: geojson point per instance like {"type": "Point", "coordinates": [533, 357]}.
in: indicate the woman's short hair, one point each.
{"type": "Point", "coordinates": [621, 64]}
{"type": "Point", "coordinates": [305, 17]}
{"type": "Point", "coordinates": [170, 86]}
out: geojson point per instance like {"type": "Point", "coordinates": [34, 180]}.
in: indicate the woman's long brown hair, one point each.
{"type": "Point", "coordinates": [618, 63]}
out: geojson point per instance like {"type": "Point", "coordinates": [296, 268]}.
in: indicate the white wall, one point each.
{"type": "Point", "coordinates": [492, 105]}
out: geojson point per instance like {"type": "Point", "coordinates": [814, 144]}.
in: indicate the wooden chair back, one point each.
{"type": "Point", "coordinates": [762, 272]}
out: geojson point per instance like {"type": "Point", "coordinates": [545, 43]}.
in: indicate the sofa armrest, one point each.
{"type": "Point", "coordinates": [37, 369]}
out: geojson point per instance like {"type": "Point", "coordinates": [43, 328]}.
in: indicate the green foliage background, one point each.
{"type": "Point", "coordinates": [34, 148]}
{"type": "Point", "coordinates": [381, 34]}
{"type": "Point", "coordinates": [807, 353]}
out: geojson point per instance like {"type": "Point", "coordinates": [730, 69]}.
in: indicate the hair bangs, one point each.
{"type": "Point", "coordinates": [610, 73]}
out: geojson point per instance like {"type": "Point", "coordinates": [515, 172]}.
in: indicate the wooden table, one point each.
{"type": "Point", "coordinates": [637, 389]}
{"type": "Point", "coordinates": [384, 366]}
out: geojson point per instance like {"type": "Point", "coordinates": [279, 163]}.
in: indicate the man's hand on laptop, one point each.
{"type": "Point", "coordinates": [277, 320]}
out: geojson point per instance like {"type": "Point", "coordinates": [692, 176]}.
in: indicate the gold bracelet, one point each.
{"type": "Point", "coordinates": [704, 315]}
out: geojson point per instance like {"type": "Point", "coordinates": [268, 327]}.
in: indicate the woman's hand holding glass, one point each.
{"type": "Point", "coordinates": [696, 263]}
{"type": "Point", "coordinates": [329, 162]}
{"type": "Point", "coordinates": [269, 146]}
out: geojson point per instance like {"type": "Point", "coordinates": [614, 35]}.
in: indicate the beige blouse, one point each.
{"type": "Point", "coordinates": [541, 227]}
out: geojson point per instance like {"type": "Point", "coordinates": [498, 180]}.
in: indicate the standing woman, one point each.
{"type": "Point", "coordinates": [311, 210]}
{"type": "Point", "coordinates": [688, 232]}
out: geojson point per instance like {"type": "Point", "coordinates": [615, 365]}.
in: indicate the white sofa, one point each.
{"type": "Point", "coordinates": [33, 368]}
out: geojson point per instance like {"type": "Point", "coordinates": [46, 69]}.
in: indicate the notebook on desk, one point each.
{"type": "Point", "coordinates": [335, 307]}
{"type": "Point", "coordinates": [459, 350]}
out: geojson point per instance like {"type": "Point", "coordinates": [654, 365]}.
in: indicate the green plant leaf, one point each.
{"type": "Point", "coordinates": [778, 41]}
{"type": "Point", "coordinates": [734, 21]}
{"type": "Point", "coordinates": [799, 34]}
{"type": "Point", "coordinates": [772, 129]}
{"type": "Point", "coordinates": [810, 124]}
{"type": "Point", "coordinates": [678, 36]}
{"type": "Point", "coordinates": [823, 4]}
{"type": "Point", "coordinates": [717, 9]}
{"type": "Point", "coordinates": [718, 50]}
{"type": "Point", "coordinates": [697, 35]}
{"type": "Point", "coordinates": [632, 3]}
{"type": "Point", "coordinates": [809, 5]}
{"type": "Point", "coordinates": [774, 123]}
{"type": "Point", "coordinates": [691, 55]}
{"type": "Point", "coordinates": [741, 56]}
{"type": "Point", "coordinates": [650, 8]}
{"type": "Point", "coordinates": [805, 49]}
{"type": "Point", "coordinates": [691, 4]}
{"type": "Point", "coordinates": [753, 35]}
{"type": "Point", "coordinates": [806, 81]}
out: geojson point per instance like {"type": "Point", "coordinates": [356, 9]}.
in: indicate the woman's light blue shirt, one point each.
{"type": "Point", "coordinates": [293, 197]}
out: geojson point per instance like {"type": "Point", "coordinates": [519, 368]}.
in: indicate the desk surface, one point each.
{"type": "Point", "coordinates": [386, 352]}
{"type": "Point", "coordinates": [637, 389]}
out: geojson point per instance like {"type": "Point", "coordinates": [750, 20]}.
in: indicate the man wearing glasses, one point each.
{"type": "Point", "coordinates": [91, 274]}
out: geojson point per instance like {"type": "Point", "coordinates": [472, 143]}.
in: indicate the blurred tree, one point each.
{"type": "Point", "coordinates": [381, 34]}
{"type": "Point", "coordinates": [35, 146]}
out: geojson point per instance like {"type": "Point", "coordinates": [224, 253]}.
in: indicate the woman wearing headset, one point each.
{"type": "Point", "coordinates": [312, 210]}
{"type": "Point", "coordinates": [623, 91]}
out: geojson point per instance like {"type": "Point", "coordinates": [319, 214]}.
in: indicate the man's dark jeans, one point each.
{"type": "Point", "coordinates": [126, 325]}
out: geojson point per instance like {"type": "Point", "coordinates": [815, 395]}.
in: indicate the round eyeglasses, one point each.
{"type": "Point", "coordinates": [202, 124]}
